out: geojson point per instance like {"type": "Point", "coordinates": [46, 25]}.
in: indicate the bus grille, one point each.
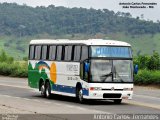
{"type": "Point", "coordinates": [111, 95]}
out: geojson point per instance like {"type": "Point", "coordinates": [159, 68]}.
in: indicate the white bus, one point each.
{"type": "Point", "coordinates": [85, 69]}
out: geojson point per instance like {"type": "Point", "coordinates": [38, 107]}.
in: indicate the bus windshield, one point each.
{"type": "Point", "coordinates": [111, 51]}
{"type": "Point", "coordinates": [111, 70]}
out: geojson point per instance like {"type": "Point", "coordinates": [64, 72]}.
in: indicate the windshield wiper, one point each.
{"type": "Point", "coordinates": [107, 75]}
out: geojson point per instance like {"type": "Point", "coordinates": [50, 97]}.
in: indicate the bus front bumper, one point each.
{"type": "Point", "coordinates": [109, 95]}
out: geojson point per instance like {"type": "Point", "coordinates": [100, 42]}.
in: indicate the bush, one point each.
{"type": "Point", "coordinates": [147, 77]}
{"type": "Point", "coordinates": [148, 62]}
{"type": "Point", "coordinates": [10, 68]}
{"type": "Point", "coordinates": [14, 69]}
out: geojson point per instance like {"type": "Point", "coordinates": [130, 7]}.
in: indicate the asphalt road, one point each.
{"type": "Point", "coordinates": [16, 97]}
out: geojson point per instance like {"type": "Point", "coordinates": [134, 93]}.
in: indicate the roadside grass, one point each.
{"type": "Point", "coordinates": [147, 77]}
{"type": "Point", "coordinates": [15, 69]}
{"type": "Point", "coordinates": [9, 67]}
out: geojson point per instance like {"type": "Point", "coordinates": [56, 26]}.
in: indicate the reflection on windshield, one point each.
{"type": "Point", "coordinates": [111, 71]}
{"type": "Point", "coordinates": [122, 70]}
{"type": "Point", "coordinates": [101, 70]}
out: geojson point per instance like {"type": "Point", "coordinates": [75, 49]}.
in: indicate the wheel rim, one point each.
{"type": "Point", "coordinates": [80, 95]}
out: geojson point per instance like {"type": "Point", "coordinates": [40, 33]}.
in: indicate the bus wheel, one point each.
{"type": "Point", "coordinates": [43, 93]}
{"type": "Point", "coordinates": [48, 90]}
{"type": "Point", "coordinates": [118, 101]}
{"type": "Point", "coordinates": [79, 95]}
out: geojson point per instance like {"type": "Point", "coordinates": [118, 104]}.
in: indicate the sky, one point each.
{"type": "Point", "coordinates": [149, 13]}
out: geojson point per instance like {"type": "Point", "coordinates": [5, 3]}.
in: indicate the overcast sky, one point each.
{"type": "Point", "coordinates": [151, 14]}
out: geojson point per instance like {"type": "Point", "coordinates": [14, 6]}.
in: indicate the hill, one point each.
{"type": "Point", "coordinates": [21, 20]}
{"type": "Point", "coordinates": [20, 23]}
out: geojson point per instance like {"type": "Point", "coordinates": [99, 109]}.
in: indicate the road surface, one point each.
{"type": "Point", "coordinates": [17, 98]}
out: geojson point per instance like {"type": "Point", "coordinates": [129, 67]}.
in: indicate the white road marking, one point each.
{"type": "Point", "coordinates": [26, 99]}
{"type": "Point", "coordinates": [17, 97]}
{"type": "Point", "coordinates": [36, 100]}
{"type": "Point", "coordinates": [146, 96]}
{"type": "Point", "coordinates": [70, 106]}
{"type": "Point", "coordinates": [81, 108]}
{"type": "Point", "coordinates": [24, 87]}
{"type": "Point", "coordinates": [57, 104]}
{"type": "Point", "coordinates": [6, 95]}
{"type": "Point", "coordinates": [7, 81]}
{"type": "Point", "coordinates": [47, 102]}
{"type": "Point", "coordinates": [155, 106]}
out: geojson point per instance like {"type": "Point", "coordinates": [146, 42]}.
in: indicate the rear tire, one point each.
{"type": "Point", "coordinates": [118, 101]}
{"type": "Point", "coordinates": [48, 90]}
{"type": "Point", "coordinates": [42, 89]}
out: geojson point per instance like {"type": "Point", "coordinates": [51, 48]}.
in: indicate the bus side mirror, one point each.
{"type": "Point", "coordinates": [86, 67]}
{"type": "Point", "coordinates": [136, 69]}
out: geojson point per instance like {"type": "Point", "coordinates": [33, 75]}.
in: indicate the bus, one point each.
{"type": "Point", "coordinates": [85, 69]}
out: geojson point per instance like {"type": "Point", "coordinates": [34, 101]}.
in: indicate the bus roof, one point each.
{"type": "Point", "coordinates": [86, 42]}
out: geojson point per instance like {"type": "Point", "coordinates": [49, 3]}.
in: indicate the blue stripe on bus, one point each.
{"type": "Point", "coordinates": [67, 89]}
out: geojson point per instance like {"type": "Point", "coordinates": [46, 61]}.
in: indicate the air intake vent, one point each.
{"type": "Point", "coordinates": [111, 95]}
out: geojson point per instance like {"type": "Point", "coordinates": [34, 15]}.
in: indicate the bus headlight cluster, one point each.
{"type": "Point", "coordinates": [95, 88]}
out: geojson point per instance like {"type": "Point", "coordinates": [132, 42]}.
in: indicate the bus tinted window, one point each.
{"type": "Point", "coordinates": [38, 52]}
{"type": "Point", "coordinates": [44, 52]}
{"type": "Point", "coordinates": [68, 53]}
{"type": "Point", "coordinates": [31, 52]}
{"type": "Point", "coordinates": [84, 54]}
{"type": "Point", "coordinates": [52, 52]}
{"type": "Point", "coordinates": [77, 53]}
{"type": "Point", "coordinates": [59, 53]}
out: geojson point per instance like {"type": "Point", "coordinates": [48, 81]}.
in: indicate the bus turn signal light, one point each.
{"type": "Point", "coordinates": [95, 88]}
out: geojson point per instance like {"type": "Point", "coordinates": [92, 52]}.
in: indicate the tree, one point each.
{"type": "Point", "coordinates": [154, 62]}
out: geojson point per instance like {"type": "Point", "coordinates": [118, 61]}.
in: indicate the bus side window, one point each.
{"type": "Point", "coordinates": [52, 52]}
{"type": "Point", "coordinates": [31, 52]}
{"type": "Point", "coordinates": [68, 53]}
{"type": "Point", "coordinates": [77, 53]}
{"type": "Point", "coordinates": [84, 54]}
{"type": "Point", "coordinates": [59, 53]}
{"type": "Point", "coordinates": [44, 52]}
{"type": "Point", "coordinates": [37, 52]}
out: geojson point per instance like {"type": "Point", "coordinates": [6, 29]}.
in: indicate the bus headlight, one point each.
{"type": "Point", "coordinates": [95, 88]}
